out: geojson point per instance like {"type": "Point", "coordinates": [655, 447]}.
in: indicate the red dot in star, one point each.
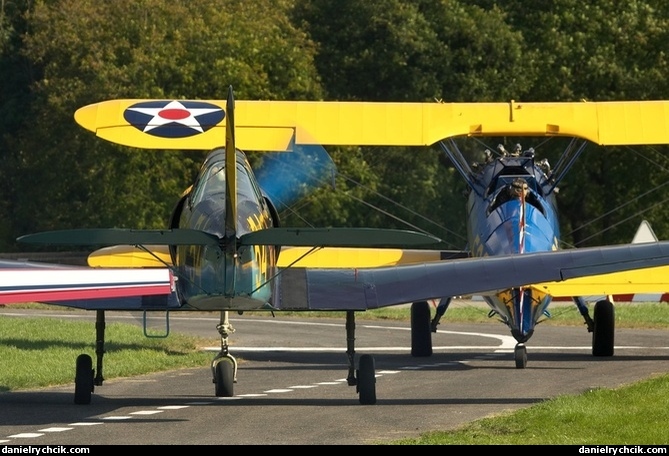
{"type": "Point", "coordinates": [174, 114]}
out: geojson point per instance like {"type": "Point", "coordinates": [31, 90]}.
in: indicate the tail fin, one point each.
{"type": "Point", "coordinates": [230, 168]}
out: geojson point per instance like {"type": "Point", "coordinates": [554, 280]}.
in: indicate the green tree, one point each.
{"type": "Point", "coordinates": [15, 99]}
{"type": "Point", "coordinates": [81, 52]}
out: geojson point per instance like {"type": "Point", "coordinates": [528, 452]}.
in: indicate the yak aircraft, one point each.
{"type": "Point", "coordinates": [224, 248]}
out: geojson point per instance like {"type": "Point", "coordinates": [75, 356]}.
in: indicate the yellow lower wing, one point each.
{"type": "Point", "coordinates": [128, 256]}
{"type": "Point", "coordinates": [304, 257]}
{"type": "Point", "coordinates": [648, 280]}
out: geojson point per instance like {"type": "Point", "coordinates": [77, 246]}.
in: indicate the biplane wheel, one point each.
{"type": "Point", "coordinates": [520, 356]}
{"type": "Point", "coordinates": [83, 380]}
{"type": "Point", "coordinates": [224, 377]}
{"type": "Point", "coordinates": [421, 332]}
{"type": "Point", "coordinates": [366, 380]}
{"type": "Point", "coordinates": [604, 329]}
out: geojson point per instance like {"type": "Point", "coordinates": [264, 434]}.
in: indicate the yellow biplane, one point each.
{"type": "Point", "coordinates": [224, 248]}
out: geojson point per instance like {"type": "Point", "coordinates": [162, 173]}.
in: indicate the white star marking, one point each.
{"type": "Point", "coordinates": [188, 121]}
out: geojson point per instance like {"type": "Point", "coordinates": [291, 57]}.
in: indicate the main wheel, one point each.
{"type": "Point", "coordinates": [83, 380]}
{"type": "Point", "coordinates": [421, 333]}
{"type": "Point", "coordinates": [224, 377]}
{"type": "Point", "coordinates": [366, 380]}
{"type": "Point", "coordinates": [604, 329]}
{"type": "Point", "coordinates": [520, 356]}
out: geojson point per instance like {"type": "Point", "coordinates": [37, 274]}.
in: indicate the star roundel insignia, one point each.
{"type": "Point", "coordinates": [174, 119]}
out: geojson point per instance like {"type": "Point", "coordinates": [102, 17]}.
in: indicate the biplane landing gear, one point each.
{"type": "Point", "coordinates": [421, 330]}
{"type": "Point", "coordinates": [602, 326]}
{"type": "Point", "coordinates": [439, 312]}
{"type": "Point", "coordinates": [224, 365]}
{"type": "Point", "coordinates": [520, 356]}
{"type": "Point", "coordinates": [603, 329]}
{"type": "Point", "coordinates": [363, 378]}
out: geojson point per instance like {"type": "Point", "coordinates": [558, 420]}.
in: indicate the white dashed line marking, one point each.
{"type": "Point", "coordinates": [26, 435]}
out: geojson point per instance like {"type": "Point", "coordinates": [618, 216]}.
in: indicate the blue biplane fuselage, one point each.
{"type": "Point", "coordinates": [513, 226]}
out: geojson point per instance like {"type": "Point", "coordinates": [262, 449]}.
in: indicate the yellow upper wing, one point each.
{"type": "Point", "coordinates": [276, 125]}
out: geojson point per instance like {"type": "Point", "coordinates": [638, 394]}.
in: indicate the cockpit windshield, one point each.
{"type": "Point", "coordinates": [505, 185]}
{"type": "Point", "coordinates": [504, 181]}
{"type": "Point", "coordinates": [211, 183]}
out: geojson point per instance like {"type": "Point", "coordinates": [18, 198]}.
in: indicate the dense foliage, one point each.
{"type": "Point", "coordinates": [59, 55]}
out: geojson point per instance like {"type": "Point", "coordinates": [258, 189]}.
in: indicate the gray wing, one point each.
{"type": "Point", "coordinates": [361, 289]}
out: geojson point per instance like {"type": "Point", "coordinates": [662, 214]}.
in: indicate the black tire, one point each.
{"type": "Point", "coordinates": [520, 356]}
{"type": "Point", "coordinates": [367, 380]}
{"type": "Point", "coordinates": [421, 333]}
{"type": "Point", "coordinates": [224, 377]}
{"type": "Point", "coordinates": [604, 329]}
{"type": "Point", "coordinates": [83, 380]}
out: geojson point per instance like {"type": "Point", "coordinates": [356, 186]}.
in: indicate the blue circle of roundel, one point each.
{"type": "Point", "coordinates": [173, 118]}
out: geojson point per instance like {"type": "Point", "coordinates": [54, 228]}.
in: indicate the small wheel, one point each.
{"type": "Point", "coordinates": [520, 356]}
{"type": "Point", "coordinates": [224, 377]}
{"type": "Point", "coordinates": [83, 380]}
{"type": "Point", "coordinates": [604, 329]}
{"type": "Point", "coordinates": [366, 380]}
{"type": "Point", "coordinates": [421, 332]}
